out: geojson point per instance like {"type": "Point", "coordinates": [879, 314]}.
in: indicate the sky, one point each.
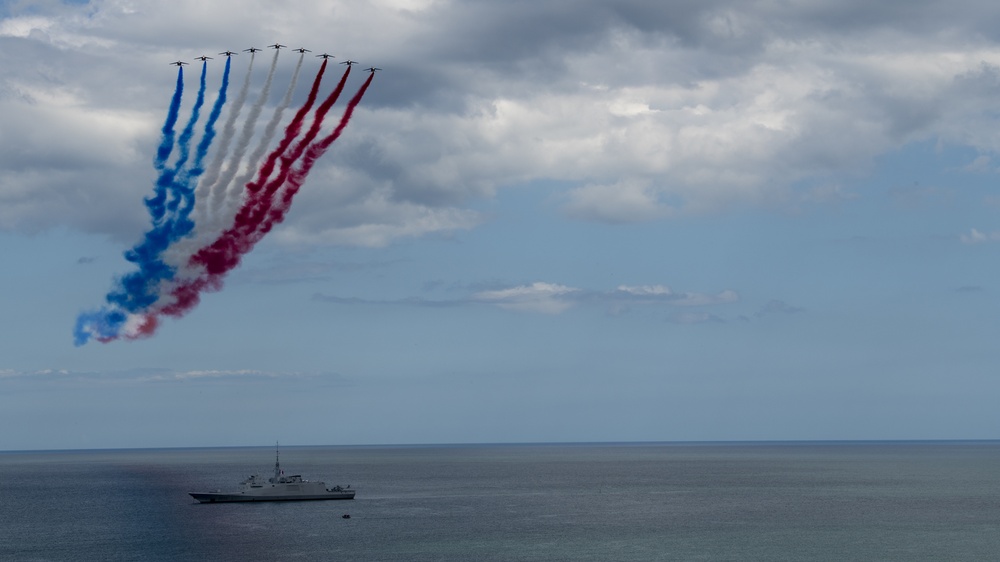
{"type": "Point", "coordinates": [547, 221]}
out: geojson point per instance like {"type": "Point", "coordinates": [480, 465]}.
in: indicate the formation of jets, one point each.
{"type": "Point", "coordinates": [276, 46]}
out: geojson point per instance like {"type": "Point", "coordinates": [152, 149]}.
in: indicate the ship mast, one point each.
{"type": "Point", "coordinates": [277, 467]}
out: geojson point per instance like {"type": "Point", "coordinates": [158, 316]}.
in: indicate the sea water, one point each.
{"type": "Point", "coordinates": [608, 502]}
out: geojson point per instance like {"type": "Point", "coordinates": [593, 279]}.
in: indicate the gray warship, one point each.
{"type": "Point", "coordinates": [278, 488]}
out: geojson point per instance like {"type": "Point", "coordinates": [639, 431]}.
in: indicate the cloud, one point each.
{"type": "Point", "coordinates": [159, 375]}
{"type": "Point", "coordinates": [914, 196]}
{"type": "Point", "coordinates": [695, 318]}
{"type": "Point", "coordinates": [969, 289]}
{"type": "Point", "coordinates": [976, 237]}
{"type": "Point", "coordinates": [546, 298]}
{"type": "Point", "coordinates": [644, 111]}
{"type": "Point", "coordinates": [628, 200]}
{"type": "Point", "coordinates": [661, 293]}
{"type": "Point", "coordinates": [777, 307]}
{"type": "Point", "coordinates": [553, 298]}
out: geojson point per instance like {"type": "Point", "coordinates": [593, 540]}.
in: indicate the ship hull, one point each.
{"type": "Point", "coordinates": [214, 497]}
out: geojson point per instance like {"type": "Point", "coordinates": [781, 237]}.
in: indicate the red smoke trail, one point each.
{"type": "Point", "coordinates": [225, 253]}
{"type": "Point", "coordinates": [291, 131]}
{"type": "Point", "coordinates": [250, 215]}
{"type": "Point", "coordinates": [317, 149]}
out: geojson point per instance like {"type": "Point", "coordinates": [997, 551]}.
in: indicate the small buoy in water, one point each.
{"type": "Point", "coordinates": [346, 516]}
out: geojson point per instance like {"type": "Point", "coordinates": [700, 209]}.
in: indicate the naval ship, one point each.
{"type": "Point", "coordinates": [277, 488]}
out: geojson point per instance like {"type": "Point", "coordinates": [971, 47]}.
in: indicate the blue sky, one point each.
{"type": "Point", "coordinates": [679, 222]}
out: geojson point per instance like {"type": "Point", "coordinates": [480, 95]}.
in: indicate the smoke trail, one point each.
{"type": "Point", "coordinates": [225, 254]}
{"type": "Point", "coordinates": [291, 131]}
{"type": "Point", "coordinates": [272, 125]}
{"type": "Point", "coordinates": [192, 268]}
{"type": "Point", "coordinates": [165, 286]}
{"type": "Point", "coordinates": [258, 203]}
{"type": "Point", "coordinates": [184, 145]}
{"type": "Point", "coordinates": [181, 224]}
{"type": "Point", "coordinates": [315, 151]}
{"type": "Point", "coordinates": [209, 183]}
{"type": "Point", "coordinates": [104, 324]}
{"type": "Point", "coordinates": [209, 135]}
{"type": "Point", "coordinates": [179, 254]}
{"type": "Point", "coordinates": [155, 204]}
{"type": "Point", "coordinates": [231, 191]}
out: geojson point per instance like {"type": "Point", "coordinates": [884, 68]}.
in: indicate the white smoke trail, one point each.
{"type": "Point", "coordinates": [209, 184]}
{"type": "Point", "coordinates": [234, 190]}
{"type": "Point", "coordinates": [272, 127]}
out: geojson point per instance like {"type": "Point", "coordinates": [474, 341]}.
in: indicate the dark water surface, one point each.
{"type": "Point", "coordinates": [618, 502]}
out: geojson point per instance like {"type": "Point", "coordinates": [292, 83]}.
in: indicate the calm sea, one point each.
{"type": "Point", "coordinates": [608, 502]}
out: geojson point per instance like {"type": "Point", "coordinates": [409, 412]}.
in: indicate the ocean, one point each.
{"type": "Point", "coordinates": [608, 502]}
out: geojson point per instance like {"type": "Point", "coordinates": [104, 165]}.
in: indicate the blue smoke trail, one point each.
{"type": "Point", "coordinates": [155, 204]}
{"type": "Point", "coordinates": [206, 139]}
{"type": "Point", "coordinates": [183, 225]}
{"type": "Point", "coordinates": [104, 324]}
{"type": "Point", "coordinates": [138, 290]}
{"type": "Point", "coordinates": [184, 144]}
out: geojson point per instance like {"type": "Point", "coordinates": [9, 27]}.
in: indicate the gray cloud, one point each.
{"type": "Point", "coordinates": [162, 375]}
{"type": "Point", "coordinates": [969, 289]}
{"type": "Point", "coordinates": [777, 307]}
{"type": "Point", "coordinates": [643, 110]}
{"type": "Point", "coordinates": [553, 298]}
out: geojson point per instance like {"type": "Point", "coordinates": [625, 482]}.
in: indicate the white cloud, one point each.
{"type": "Point", "coordinates": [645, 290]}
{"type": "Point", "coordinates": [629, 200]}
{"type": "Point", "coordinates": [546, 298]}
{"type": "Point", "coordinates": [977, 237]}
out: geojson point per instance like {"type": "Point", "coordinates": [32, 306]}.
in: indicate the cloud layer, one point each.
{"type": "Point", "coordinates": [645, 111]}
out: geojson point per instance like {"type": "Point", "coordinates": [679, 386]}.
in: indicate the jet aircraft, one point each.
{"type": "Point", "coordinates": [349, 62]}
{"type": "Point", "coordinates": [372, 69]}
{"type": "Point", "coordinates": [303, 51]}
{"type": "Point", "coordinates": [325, 56]}
{"type": "Point", "coordinates": [178, 63]}
{"type": "Point", "coordinates": [277, 46]}
{"type": "Point", "coordinates": [252, 50]}
{"type": "Point", "coordinates": [202, 58]}
{"type": "Point", "coordinates": [228, 53]}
